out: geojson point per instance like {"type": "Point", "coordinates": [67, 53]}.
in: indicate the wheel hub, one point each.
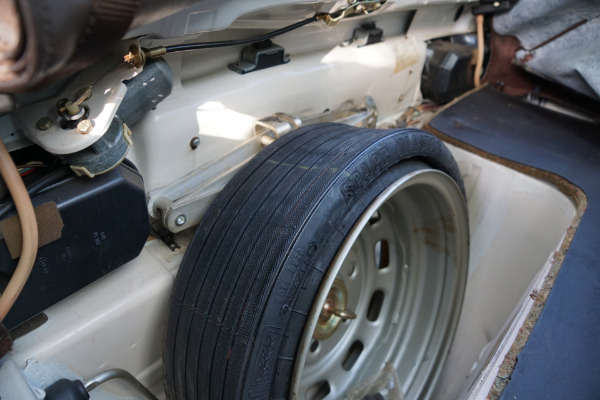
{"type": "Point", "coordinates": [334, 311]}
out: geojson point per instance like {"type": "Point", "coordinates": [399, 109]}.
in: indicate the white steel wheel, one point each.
{"type": "Point", "coordinates": [399, 277]}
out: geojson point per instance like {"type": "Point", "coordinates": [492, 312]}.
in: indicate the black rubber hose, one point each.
{"type": "Point", "coordinates": [146, 90]}
{"type": "Point", "coordinates": [226, 43]}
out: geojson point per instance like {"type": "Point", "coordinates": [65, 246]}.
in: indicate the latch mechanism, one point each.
{"type": "Point", "coordinates": [356, 7]}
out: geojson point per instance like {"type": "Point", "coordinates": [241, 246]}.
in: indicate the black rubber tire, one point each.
{"type": "Point", "coordinates": [249, 277]}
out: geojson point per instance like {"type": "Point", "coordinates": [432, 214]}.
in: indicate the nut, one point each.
{"type": "Point", "coordinates": [84, 127]}
{"type": "Point", "coordinates": [180, 220]}
{"type": "Point", "coordinates": [135, 57]}
{"type": "Point", "coordinates": [44, 124]}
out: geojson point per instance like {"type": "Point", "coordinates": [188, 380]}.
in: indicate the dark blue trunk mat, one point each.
{"type": "Point", "coordinates": [561, 359]}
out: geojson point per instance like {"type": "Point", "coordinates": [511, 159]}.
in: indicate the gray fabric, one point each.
{"type": "Point", "coordinates": [572, 59]}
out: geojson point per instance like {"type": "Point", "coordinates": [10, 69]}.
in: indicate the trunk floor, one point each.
{"type": "Point", "coordinates": [561, 358]}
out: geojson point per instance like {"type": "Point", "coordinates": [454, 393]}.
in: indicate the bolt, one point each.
{"type": "Point", "coordinates": [195, 142]}
{"type": "Point", "coordinates": [44, 124]}
{"type": "Point", "coordinates": [496, 4]}
{"type": "Point", "coordinates": [83, 95]}
{"type": "Point", "coordinates": [85, 126]}
{"type": "Point", "coordinates": [180, 220]}
{"type": "Point", "coordinates": [135, 57]}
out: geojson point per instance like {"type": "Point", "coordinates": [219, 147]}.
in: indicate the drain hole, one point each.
{"type": "Point", "coordinates": [314, 346]}
{"type": "Point", "coordinates": [318, 391]}
{"type": "Point", "coordinates": [375, 306]}
{"type": "Point", "coordinates": [382, 254]}
{"type": "Point", "coordinates": [352, 356]}
{"type": "Point", "coordinates": [374, 218]}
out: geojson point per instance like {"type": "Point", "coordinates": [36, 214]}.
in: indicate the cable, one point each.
{"type": "Point", "coordinates": [29, 230]}
{"type": "Point", "coordinates": [35, 187]}
{"type": "Point", "coordinates": [479, 63]}
{"type": "Point", "coordinates": [225, 43]}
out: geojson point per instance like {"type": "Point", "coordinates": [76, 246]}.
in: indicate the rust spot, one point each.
{"type": "Point", "coordinates": [431, 232]}
{"type": "Point", "coordinates": [527, 57]}
{"type": "Point", "coordinates": [434, 245]}
{"type": "Point", "coordinates": [448, 224]}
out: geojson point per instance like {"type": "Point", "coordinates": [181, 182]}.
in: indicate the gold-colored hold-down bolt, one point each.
{"type": "Point", "coordinates": [334, 311]}
{"type": "Point", "coordinates": [328, 310]}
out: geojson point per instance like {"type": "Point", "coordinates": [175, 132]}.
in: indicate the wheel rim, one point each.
{"type": "Point", "coordinates": [403, 267]}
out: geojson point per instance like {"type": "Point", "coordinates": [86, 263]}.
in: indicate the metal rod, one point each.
{"type": "Point", "coordinates": [123, 375]}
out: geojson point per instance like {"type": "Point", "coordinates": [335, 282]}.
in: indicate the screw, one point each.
{"type": "Point", "coordinates": [44, 124]}
{"type": "Point", "coordinates": [85, 126]}
{"type": "Point", "coordinates": [180, 220]}
{"type": "Point", "coordinates": [195, 142]}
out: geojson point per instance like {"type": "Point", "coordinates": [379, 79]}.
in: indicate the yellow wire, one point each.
{"type": "Point", "coordinates": [479, 63]}
{"type": "Point", "coordinates": [29, 230]}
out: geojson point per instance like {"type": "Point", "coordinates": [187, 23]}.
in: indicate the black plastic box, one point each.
{"type": "Point", "coordinates": [106, 224]}
{"type": "Point", "coordinates": [448, 71]}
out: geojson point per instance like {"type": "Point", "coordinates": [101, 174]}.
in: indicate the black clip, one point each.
{"type": "Point", "coordinates": [492, 6]}
{"type": "Point", "coordinates": [259, 56]}
{"type": "Point", "coordinates": [367, 34]}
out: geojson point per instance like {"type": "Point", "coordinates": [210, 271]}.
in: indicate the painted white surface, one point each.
{"type": "Point", "coordinates": [222, 107]}
{"type": "Point", "coordinates": [517, 223]}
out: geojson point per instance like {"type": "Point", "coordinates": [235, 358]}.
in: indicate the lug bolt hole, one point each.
{"type": "Point", "coordinates": [382, 254]}
{"type": "Point", "coordinates": [375, 306]}
{"type": "Point", "coordinates": [314, 346]}
{"type": "Point", "coordinates": [352, 355]}
{"type": "Point", "coordinates": [351, 270]}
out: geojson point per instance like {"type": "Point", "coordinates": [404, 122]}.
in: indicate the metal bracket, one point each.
{"type": "Point", "coordinates": [123, 376]}
{"type": "Point", "coordinates": [96, 91]}
{"type": "Point", "coordinates": [271, 128]}
{"type": "Point", "coordinates": [182, 204]}
{"type": "Point", "coordinates": [364, 117]}
{"type": "Point", "coordinates": [357, 7]}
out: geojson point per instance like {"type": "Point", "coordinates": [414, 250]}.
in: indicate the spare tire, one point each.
{"type": "Point", "coordinates": [335, 254]}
